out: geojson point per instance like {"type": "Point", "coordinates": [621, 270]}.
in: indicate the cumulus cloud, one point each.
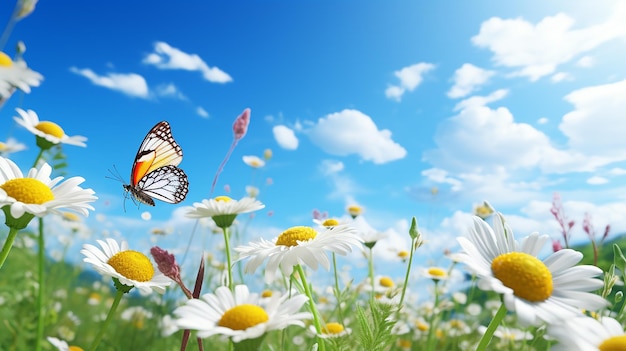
{"type": "Point", "coordinates": [328, 167]}
{"type": "Point", "coordinates": [560, 77]}
{"type": "Point", "coordinates": [168, 57]}
{"type": "Point", "coordinates": [481, 139]}
{"type": "Point", "coordinates": [130, 84]}
{"type": "Point", "coordinates": [169, 90]}
{"type": "Point", "coordinates": [585, 61]}
{"type": "Point", "coordinates": [591, 126]}
{"type": "Point", "coordinates": [410, 78]}
{"type": "Point", "coordinates": [597, 180]}
{"type": "Point", "coordinates": [467, 79]}
{"type": "Point", "coordinates": [285, 137]}
{"type": "Point", "coordinates": [617, 171]}
{"type": "Point", "coordinates": [202, 112]}
{"type": "Point", "coordinates": [353, 132]}
{"type": "Point", "coordinates": [536, 50]}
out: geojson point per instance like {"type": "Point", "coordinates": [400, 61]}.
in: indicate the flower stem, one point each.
{"type": "Point", "coordinates": [39, 155]}
{"type": "Point", "coordinates": [40, 294]}
{"type": "Point", "coordinates": [228, 259]}
{"type": "Point", "coordinates": [316, 315]}
{"type": "Point", "coordinates": [430, 343]}
{"type": "Point", "coordinates": [337, 291]}
{"type": "Point", "coordinates": [8, 244]}
{"type": "Point", "coordinates": [116, 302]}
{"type": "Point", "coordinates": [406, 277]}
{"type": "Point", "coordinates": [371, 273]}
{"type": "Point", "coordinates": [484, 341]}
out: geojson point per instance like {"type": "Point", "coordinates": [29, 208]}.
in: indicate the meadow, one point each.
{"type": "Point", "coordinates": [511, 296]}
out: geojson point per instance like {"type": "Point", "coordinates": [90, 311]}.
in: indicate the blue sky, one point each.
{"type": "Point", "coordinates": [368, 103]}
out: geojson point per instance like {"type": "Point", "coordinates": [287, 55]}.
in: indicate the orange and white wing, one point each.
{"type": "Point", "coordinates": [168, 183]}
{"type": "Point", "coordinates": [158, 149]}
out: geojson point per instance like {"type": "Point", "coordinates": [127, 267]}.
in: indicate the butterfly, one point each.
{"type": "Point", "coordinates": [155, 173]}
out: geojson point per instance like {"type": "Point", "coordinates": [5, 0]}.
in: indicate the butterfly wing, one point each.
{"type": "Point", "coordinates": [168, 183]}
{"type": "Point", "coordinates": [158, 149]}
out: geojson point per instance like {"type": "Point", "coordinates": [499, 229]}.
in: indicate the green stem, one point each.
{"type": "Point", "coordinates": [406, 277]}
{"type": "Point", "coordinates": [316, 315]}
{"type": "Point", "coordinates": [337, 291]}
{"type": "Point", "coordinates": [228, 259]}
{"type": "Point", "coordinates": [430, 343]}
{"type": "Point", "coordinates": [484, 341]}
{"type": "Point", "coordinates": [371, 274]}
{"type": "Point", "coordinates": [116, 302]}
{"type": "Point", "coordinates": [40, 310]}
{"type": "Point", "coordinates": [39, 155]}
{"type": "Point", "coordinates": [8, 244]}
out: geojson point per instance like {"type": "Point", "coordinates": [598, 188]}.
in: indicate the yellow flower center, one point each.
{"type": "Point", "coordinates": [437, 273]}
{"type": "Point", "coordinates": [50, 128]}
{"type": "Point", "coordinates": [75, 348]}
{"type": "Point", "coordinates": [354, 210]}
{"type": "Point", "coordinates": [403, 254]}
{"type": "Point", "coordinates": [330, 223]}
{"type": "Point", "coordinates": [266, 293]}
{"type": "Point", "coordinates": [243, 317]}
{"type": "Point", "coordinates": [421, 326]}
{"type": "Point", "coordinates": [70, 216]}
{"type": "Point", "coordinates": [267, 154]}
{"type": "Point", "coordinates": [3, 146]}
{"type": "Point", "coordinates": [386, 282]}
{"type": "Point", "coordinates": [132, 265]}
{"type": "Point", "coordinates": [28, 190]}
{"type": "Point", "coordinates": [291, 236]}
{"type": "Point", "coordinates": [5, 60]}
{"type": "Point", "coordinates": [403, 343]}
{"type": "Point", "coordinates": [332, 328]}
{"type": "Point", "coordinates": [457, 324]}
{"type": "Point", "coordinates": [223, 198]}
{"type": "Point", "coordinates": [614, 343]}
{"type": "Point", "coordinates": [529, 278]}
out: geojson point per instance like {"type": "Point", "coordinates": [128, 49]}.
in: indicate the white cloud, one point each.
{"type": "Point", "coordinates": [597, 180]}
{"type": "Point", "coordinates": [560, 77]}
{"type": "Point", "coordinates": [285, 137]}
{"type": "Point", "coordinates": [482, 139]}
{"type": "Point", "coordinates": [481, 100]}
{"type": "Point", "coordinates": [543, 120]}
{"type": "Point", "coordinates": [535, 50]}
{"type": "Point", "coordinates": [353, 132]}
{"type": "Point", "coordinates": [410, 78]}
{"type": "Point", "coordinates": [617, 171]}
{"type": "Point", "coordinates": [592, 127]}
{"type": "Point", "coordinates": [168, 57]}
{"type": "Point", "coordinates": [468, 79]}
{"type": "Point", "coordinates": [586, 62]}
{"type": "Point", "coordinates": [130, 84]}
{"type": "Point", "coordinates": [328, 167]}
{"type": "Point", "coordinates": [169, 90]}
{"type": "Point", "coordinates": [202, 112]}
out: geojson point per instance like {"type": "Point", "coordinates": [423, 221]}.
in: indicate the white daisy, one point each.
{"type": "Point", "coordinates": [223, 209]}
{"type": "Point", "coordinates": [588, 334]}
{"type": "Point", "coordinates": [10, 146]}
{"type": "Point", "coordinates": [253, 161]}
{"type": "Point", "coordinates": [16, 75]}
{"type": "Point", "coordinates": [49, 131]}
{"type": "Point", "coordinates": [298, 245]}
{"type": "Point", "coordinates": [240, 315]}
{"type": "Point", "coordinates": [434, 273]}
{"type": "Point", "coordinates": [38, 195]}
{"type": "Point", "coordinates": [61, 345]}
{"type": "Point", "coordinates": [130, 267]}
{"type": "Point", "coordinates": [331, 330]}
{"type": "Point", "coordinates": [508, 334]}
{"type": "Point", "coordinates": [536, 290]}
